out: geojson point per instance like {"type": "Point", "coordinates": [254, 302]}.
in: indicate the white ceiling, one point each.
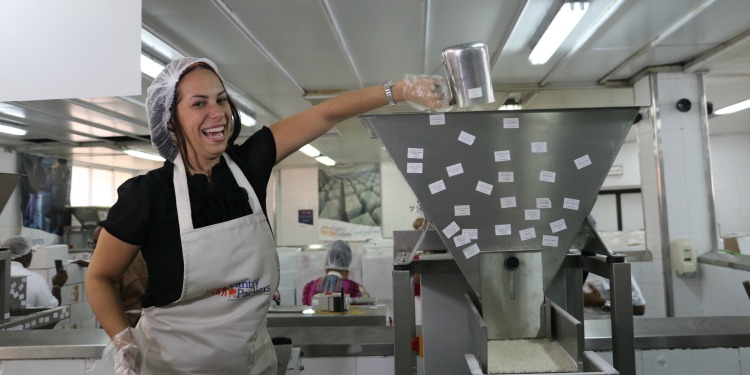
{"type": "Point", "coordinates": [283, 55]}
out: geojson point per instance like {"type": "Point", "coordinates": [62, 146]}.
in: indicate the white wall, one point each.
{"type": "Point", "coordinates": [730, 158]}
{"type": "Point", "coordinates": [627, 158]}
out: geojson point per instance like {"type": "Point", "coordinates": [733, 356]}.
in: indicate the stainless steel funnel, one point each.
{"type": "Point", "coordinates": [508, 192]}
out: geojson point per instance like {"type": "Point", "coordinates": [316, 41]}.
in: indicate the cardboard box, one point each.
{"type": "Point", "coordinates": [739, 243]}
{"type": "Point", "coordinates": [45, 256]}
{"type": "Point", "coordinates": [72, 293]}
{"type": "Point", "coordinates": [76, 273]}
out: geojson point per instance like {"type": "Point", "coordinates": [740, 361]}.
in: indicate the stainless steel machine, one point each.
{"type": "Point", "coordinates": [508, 193]}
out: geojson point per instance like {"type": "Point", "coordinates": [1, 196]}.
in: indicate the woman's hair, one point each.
{"type": "Point", "coordinates": [177, 126]}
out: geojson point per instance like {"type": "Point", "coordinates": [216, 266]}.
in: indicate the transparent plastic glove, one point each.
{"type": "Point", "coordinates": [425, 92]}
{"type": "Point", "coordinates": [126, 353]}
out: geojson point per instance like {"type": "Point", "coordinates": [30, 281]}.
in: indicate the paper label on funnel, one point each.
{"type": "Point", "coordinates": [415, 153]}
{"type": "Point", "coordinates": [454, 169]}
{"type": "Point", "coordinates": [451, 229]}
{"type": "Point", "coordinates": [549, 241]}
{"type": "Point", "coordinates": [511, 123]}
{"type": "Point", "coordinates": [505, 176]}
{"type": "Point", "coordinates": [436, 186]}
{"type": "Point", "coordinates": [462, 210]}
{"type": "Point", "coordinates": [466, 138]}
{"type": "Point", "coordinates": [583, 161]}
{"type": "Point", "coordinates": [484, 187]}
{"type": "Point", "coordinates": [527, 234]}
{"type": "Point", "coordinates": [531, 214]}
{"type": "Point", "coordinates": [502, 155]}
{"type": "Point", "coordinates": [475, 92]}
{"type": "Point", "coordinates": [538, 147]}
{"type": "Point", "coordinates": [571, 204]}
{"type": "Point", "coordinates": [547, 176]}
{"type": "Point", "coordinates": [437, 119]}
{"type": "Point", "coordinates": [543, 203]}
{"type": "Point", "coordinates": [461, 240]}
{"type": "Point", "coordinates": [502, 230]}
{"type": "Point", "coordinates": [558, 225]}
{"type": "Point", "coordinates": [471, 251]}
{"type": "Point", "coordinates": [507, 202]}
{"type": "Point", "coordinates": [473, 234]}
{"type": "Point", "coordinates": [413, 167]}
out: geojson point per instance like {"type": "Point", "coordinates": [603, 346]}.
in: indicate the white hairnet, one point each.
{"type": "Point", "coordinates": [159, 98]}
{"type": "Point", "coordinates": [18, 246]}
{"type": "Point", "coordinates": [339, 256]}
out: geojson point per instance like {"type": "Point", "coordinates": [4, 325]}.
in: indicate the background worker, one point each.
{"type": "Point", "coordinates": [38, 292]}
{"type": "Point", "coordinates": [338, 259]}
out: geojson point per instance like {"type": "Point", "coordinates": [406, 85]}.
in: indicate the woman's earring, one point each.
{"type": "Point", "coordinates": [173, 136]}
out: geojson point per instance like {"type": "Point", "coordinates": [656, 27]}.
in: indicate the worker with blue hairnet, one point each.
{"type": "Point", "coordinates": [338, 259]}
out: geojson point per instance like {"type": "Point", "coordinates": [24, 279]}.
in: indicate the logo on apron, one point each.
{"type": "Point", "coordinates": [241, 290]}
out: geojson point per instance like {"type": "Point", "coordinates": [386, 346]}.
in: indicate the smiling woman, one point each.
{"type": "Point", "coordinates": [208, 202]}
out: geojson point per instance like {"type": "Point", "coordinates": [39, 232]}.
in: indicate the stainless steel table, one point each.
{"type": "Point", "coordinates": [357, 316]}
{"type": "Point", "coordinates": [675, 333]}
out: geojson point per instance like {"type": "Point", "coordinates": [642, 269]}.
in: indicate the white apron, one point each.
{"type": "Point", "coordinates": [218, 326]}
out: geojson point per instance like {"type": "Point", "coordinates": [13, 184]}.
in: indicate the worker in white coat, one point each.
{"type": "Point", "coordinates": [38, 293]}
{"type": "Point", "coordinates": [200, 223]}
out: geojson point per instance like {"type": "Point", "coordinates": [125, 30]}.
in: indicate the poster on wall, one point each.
{"type": "Point", "coordinates": [45, 192]}
{"type": "Point", "coordinates": [349, 202]}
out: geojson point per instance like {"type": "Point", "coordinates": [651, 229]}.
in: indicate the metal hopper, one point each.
{"type": "Point", "coordinates": [507, 192]}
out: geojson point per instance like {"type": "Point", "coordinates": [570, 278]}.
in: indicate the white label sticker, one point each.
{"type": "Point", "coordinates": [462, 210]}
{"type": "Point", "coordinates": [502, 230]}
{"type": "Point", "coordinates": [437, 119]}
{"type": "Point", "coordinates": [543, 203]}
{"type": "Point", "coordinates": [454, 169]}
{"type": "Point", "coordinates": [415, 153]}
{"type": "Point", "coordinates": [507, 202]}
{"type": "Point", "coordinates": [436, 186]}
{"type": "Point", "coordinates": [549, 241]}
{"type": "Point", "coordinates": [558, 225]}
{"type": "Point", "coordinates": [511, 123]}
{"type": "Point", "coordinates": [475, 92]}
{"type": "Point", "coordinates": [484, 187]}
{"type": "Point", "coordinates": [461, 240]}
{"type": "Point", "coordinates": [527, 234]}
{"type": "Point", "coordinates": [538, 147]}
{"type": "Point", "coordinates": [451, 229]}
{"type": "Point", "coordinates": [413, 167]}
{"type": "Point", "coordinates": [571, 204]}
{"type": "Point", "coordinates": [473, 234]}
{"type": "Point", "coordinates": [466, 138]}
{"type": "Point", "coordinates": [583, 161]}
{"type": "Point", "coordinates": [502, 155]}
{"type": "Point", "coordinates": [471, 251]}
{"type": "Point", "coordinates": [531, 214]}
{"type": "Point", "coordinates": [505, 176]}
{"type": "Point", "coordinates": [547, 176]}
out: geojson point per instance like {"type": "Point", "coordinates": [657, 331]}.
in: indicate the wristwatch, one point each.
{"type": "Point", "coordinates": [388, 87]}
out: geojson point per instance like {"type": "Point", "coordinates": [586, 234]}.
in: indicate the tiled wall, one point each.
{"type": "Point", "coordinates": [10, 218]}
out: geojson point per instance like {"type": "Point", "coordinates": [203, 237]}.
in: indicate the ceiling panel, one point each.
{"type": "Point", "coordinates": [292, 58]}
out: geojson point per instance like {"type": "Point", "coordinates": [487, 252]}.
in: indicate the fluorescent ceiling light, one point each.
{"type": "Point", "coordinates": [310, 151]}
{"type": "Point", "coordinates": [143, 155]}
{"type": "Point", "coordinates": [325, 160]}
{"type": "Point", "coordinates": [12, 130]}
{"type": "Point", "coordinates": [246, 119]}
{"type": "Point", "coordinates": [150, 67]}
{"type": "Point", "coordinates": [733, 108]}
{"type": "Point", "coordinates": [558, 30]}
